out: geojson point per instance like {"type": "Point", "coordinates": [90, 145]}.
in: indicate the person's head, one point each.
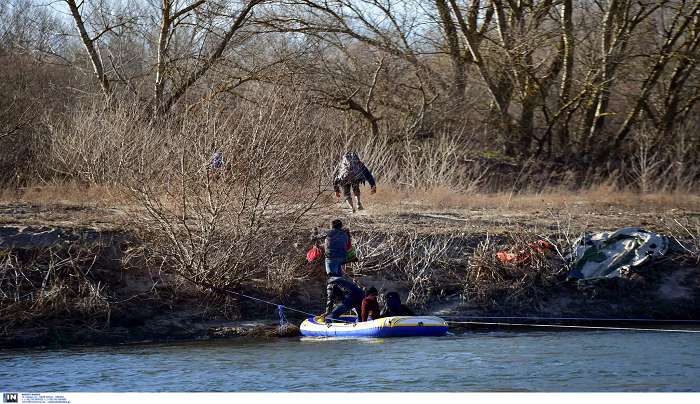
{"type": "Point", "coordinates": [392, 299]}
{"type": "Point", "coordinates": [350, 157]}
{"type": "Point", "coordinates": [371, 291]}
{"type": "Point", "coordinates": [337, 224]}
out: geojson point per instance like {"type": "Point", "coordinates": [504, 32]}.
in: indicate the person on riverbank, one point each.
{"type": "Point", "coordinates": [217, 160]}
{"type": "Point", "coordinates": [394, 307]}
{"type": "Point", "coordinates": [350, 173]}
{"type": "Point", "coordinates": [217, 165]}
{"type": "Point", "coordinates": [347, 292]}
{"type": "Point", "coordinates": [335, 247]}
{"type": "Point", "coordinates": [370, 307]}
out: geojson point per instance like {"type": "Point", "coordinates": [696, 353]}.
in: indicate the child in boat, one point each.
{"type": "Point", "coordinates": [394, 307]}
{"type": "Point", "coordinates": [370, 307]}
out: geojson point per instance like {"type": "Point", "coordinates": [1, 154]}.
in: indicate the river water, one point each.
{"type": "Point", "coordinates": [473, 361]}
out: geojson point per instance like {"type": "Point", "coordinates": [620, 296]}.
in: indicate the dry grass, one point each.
{"type": "Point", "coordinates": [441, 197]}
{"type": "Point", "coordinates": [391, 209]}
{"type": "Point", "coordinates": [425, 265]}
{"type": "Point", "coordinates": [67, 193]}
{"type": "Point", "coordinates": [686, 231]}
{"type": "Point", "coordinates": [394, 197]}
{"type": "Point", "coordinates": [493, 284]}
{"type": "Point", "coordinates": [239, 228]}
{"type": "Point", "coordinates": [444, 258]}
{"type": "Point", "coordinates": [51, 282]}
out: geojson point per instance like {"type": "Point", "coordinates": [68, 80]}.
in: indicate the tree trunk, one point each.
{"type": "Point", "coordinates": [194, 76]}
{"type": "Point", "coordinates": [604, 82]}
{"type": "Point", "coordinates": [458, 71]}
{"type": "Point", "coordinates": [663, 57]}
{"type": "Point", "coordinates": [89, 44]}
{"type": "Point", "coordinates": [159, 84]}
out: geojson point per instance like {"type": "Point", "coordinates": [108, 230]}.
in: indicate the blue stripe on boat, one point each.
{"type": "Point", "coordinates": [312, 328]}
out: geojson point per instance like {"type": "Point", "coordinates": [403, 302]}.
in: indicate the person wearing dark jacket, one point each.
{"type": "Point", "coordinates": [370, 307]}
{"type": "Point", "coordinates": [394, 307]}
{"type": "Point", "coordinates": [335, 247]}
{"type": "Point", "coordinates": [350, 173]}
{"type": "Point", "coordinates": [349, 294]}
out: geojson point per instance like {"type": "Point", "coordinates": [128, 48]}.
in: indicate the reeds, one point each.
{"type": "Point", "coordinates": [51, 282]}
{"type": "Point", "coordinates": [512, 287]}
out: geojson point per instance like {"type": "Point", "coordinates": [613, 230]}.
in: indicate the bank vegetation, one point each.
{"type": "Point", "coordinates": [475, 97]}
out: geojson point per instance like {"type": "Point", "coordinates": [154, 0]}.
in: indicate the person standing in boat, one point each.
{"type": "Point", "coordinates": [394, 307]}
{"type": "Point", "coordinates": [349, 294]}
{"type": "Point", "coordinates": [370, 307]}
{"type": "Point", "coordinates": [350, 173]}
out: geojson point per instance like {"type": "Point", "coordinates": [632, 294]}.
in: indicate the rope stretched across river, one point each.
{"type": "Point", "coordinates": [584, 327]}
{"type": "Point", "coordinates": [510, 324]}
{"type": "Point", "coordinates": [283, 319]}
{"type": "Point", "coordinates": [535, 318]}
{"type": "Point", "coordinates": [280, 307]}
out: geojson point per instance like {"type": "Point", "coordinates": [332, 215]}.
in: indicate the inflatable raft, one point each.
{"type": "Point", "coordinates": [403, 326]}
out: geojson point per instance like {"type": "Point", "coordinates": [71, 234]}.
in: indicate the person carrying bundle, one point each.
{"type": "Point", "coordinates": [350, 173]}
{"type": "Point", "coordinates": [337, 244]}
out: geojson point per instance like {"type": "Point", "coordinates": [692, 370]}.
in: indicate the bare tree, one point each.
{"type": "Point", "coordinates": [557, 82]}
{"type": "Point", "coordinates": [90, 42]}
{"type": "Point", "coordinates": [620, 20]}
{"type": "Point", "coordinates": [210, 30]}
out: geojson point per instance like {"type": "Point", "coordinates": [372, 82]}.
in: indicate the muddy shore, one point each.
{"type": "Point", "coordinates": [136, 304]}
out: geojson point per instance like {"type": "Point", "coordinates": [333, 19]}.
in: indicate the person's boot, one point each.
{"type": "Point", "coordinates": [359, 204]}
{"type": "Point", "coordinates": [349, 202]}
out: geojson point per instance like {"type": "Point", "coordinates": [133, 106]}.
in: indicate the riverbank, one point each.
{"type": "Point", "coordinates": [85, 279]}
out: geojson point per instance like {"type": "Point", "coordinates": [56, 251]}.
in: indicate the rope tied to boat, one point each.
{"type": "Point", "coordinates": [580, 327]}
{"type": "Point", "coordinates": [280, 307]}
{"type": "Point", "coordinates": [283, 318]}
{"type": "Point", "coordinates": [540, 318]}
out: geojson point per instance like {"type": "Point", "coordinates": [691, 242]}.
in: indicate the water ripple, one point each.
{"type": "Point", "coordinates": [563, 361]}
